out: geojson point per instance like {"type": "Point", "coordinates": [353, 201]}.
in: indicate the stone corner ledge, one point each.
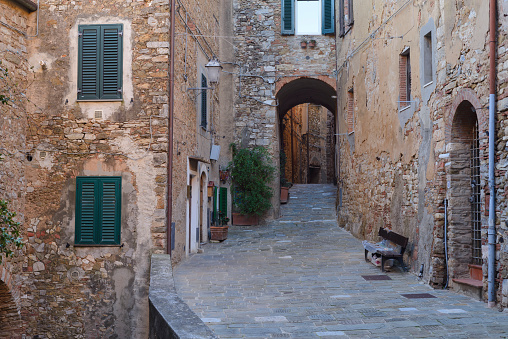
{"type": "Point", "coordinates": [170, 316]}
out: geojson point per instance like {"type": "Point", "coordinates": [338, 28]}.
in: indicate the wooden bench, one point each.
{"type": "Point", "coordinates": [387, 254]}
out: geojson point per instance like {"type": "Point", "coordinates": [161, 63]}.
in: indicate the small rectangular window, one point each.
{"type": "Point", "coordinates": [350, 111]}
{"type": "Point", "coordinates": [100, 62]}
{"type": "Point", "coordinates": [427, 58]}
{"type": "Point", "coordinates": [204, 102]}
{"type": "Point", "coordinates": [98, 210]}
{"type": "Point", "coordinates": [404, 79]}
{"type": "Point", "coordinates": [308, 17]}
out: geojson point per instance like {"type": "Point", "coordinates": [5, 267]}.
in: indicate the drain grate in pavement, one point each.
{"type": "Point", "coordinates": [418, 295]}
{"type": "Point", "coordinates": [282, 310]}
{"type": "Point", "coordinates": [350, 322]}
{"type": "Point", "coordinates": [431, 327]}
{"type": "Point", "coordinates": [376, 277]}
{"type": "Point", "coordinates": [281, 335]}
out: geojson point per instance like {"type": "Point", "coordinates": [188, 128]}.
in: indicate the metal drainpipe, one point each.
{"type": "Point", "coordinates": [169, 208]}
{"type": "Point", "coordinates": [492, 131]}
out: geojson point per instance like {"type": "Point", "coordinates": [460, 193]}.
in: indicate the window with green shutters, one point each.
{"type": "Point", "coordinates": [223, 200]}
{"type": "Point", "coordinates": [204, 102]}
{"type": "Point", "coordinates": [100, 62]}
{"type": "Point", "coordinates": [289, 24]}
{"type": "Point", "coordinates": [98, 210]}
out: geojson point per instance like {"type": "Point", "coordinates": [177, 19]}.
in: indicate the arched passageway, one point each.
{"type": "Point", "coordinates": [307, 131]}
{"type": "Point", "coordinates": [464, 231]}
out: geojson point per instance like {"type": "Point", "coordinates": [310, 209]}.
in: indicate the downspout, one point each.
{"type": "Point", "coordinates": [169, 209]}
{"type": "Point", "coordinates": [492, 133]}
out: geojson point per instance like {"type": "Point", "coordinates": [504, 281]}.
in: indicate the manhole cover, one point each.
{"type": "Point", "coordinates": [418, 296]}
{"type": "Point", "coordinates": [376, 277]}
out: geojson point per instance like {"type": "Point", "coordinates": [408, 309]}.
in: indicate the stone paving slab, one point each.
{"type": "Point", "coordinates": [301, 277]}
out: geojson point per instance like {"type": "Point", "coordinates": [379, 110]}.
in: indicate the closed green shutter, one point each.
{"type": "Point", "coordinates": [98, 210]}
{"type": "Point", "coordinates": [204, 99]}
{"type": "Point", "coordinates": [110, 207]}
{"type": "Point", "coordinates": [328, 16]}
{"type": "Point", "coordinates": [288, 17]}
{"type": "Point", "coordinates": [215, 202]}
{"type": "Point", "coordinates": [88, 65]}
{"type": "Point", "coordinates": [111, 61]}
{"type": "Point", "coordinates": [86, 211]}
{"type": "Point", "coordinates": [100, 62]}
{"type": "Point", "coordinates": [223, 200]}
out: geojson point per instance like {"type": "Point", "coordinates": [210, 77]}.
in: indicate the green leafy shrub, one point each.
{"type": "Point", "coordinates": [9, 231]}
{"type": "Point", "coordinates": [252, 171]}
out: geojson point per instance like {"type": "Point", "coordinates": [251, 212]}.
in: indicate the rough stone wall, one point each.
{"type": "Point", "coordinates": [94, 291]}
{"type": "Point", "coordinates": [406, 156]}
{"type": "Point", "coordinates": [265, 59]}
{"type": "Point", "coordinates": [15, 77]}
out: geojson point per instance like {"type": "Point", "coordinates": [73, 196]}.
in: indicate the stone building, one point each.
{"type": "Point", "coordinates": [413, 103]}
{"type": "Point", "coordinates": [307, 142]}
{"type": "Point", "coordinates": [86, 163]}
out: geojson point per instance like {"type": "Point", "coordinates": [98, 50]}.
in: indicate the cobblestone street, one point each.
{"type": "Point", "coordinates": [301, 277]}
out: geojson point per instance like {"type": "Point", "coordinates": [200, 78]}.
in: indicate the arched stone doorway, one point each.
{"type": "Point", "coordinates": [464, 192]}
{"type": "Point", "coordinates": [306, 133]}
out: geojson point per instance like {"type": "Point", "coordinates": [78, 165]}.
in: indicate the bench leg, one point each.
{"type": "Point", "coordinates": [401, 263]}
{"type": "Point", "coordinates": [382, 263]}
{"type": "Point", "coordinates": [366, 255]}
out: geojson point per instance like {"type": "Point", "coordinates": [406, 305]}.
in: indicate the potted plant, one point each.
{"type": "Point", "coordinates": [220, 232]}
{"type": "Point", "coordinates": [251, 171]}
{"type": "Point", "coordinates": [312, 43]}
{"type": "Point", "coordinates": [303, 44]}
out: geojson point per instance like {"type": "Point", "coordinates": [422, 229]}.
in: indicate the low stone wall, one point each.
{"type": "Point", "coordinates": [170, 317]}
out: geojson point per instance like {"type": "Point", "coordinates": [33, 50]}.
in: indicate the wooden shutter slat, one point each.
{"type": "Point", "coordinates": [288, 17]}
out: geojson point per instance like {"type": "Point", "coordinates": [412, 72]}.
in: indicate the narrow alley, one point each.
{"type": "Point", "coordinates": [301, 277]}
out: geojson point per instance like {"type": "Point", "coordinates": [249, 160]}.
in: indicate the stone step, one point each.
{"type": "Point", "coordinates": [470, 287]}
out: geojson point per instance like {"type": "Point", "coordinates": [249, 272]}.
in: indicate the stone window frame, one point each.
{"type": "Point", "coordinates": [346, 17]}
{"type": "Point", "coordinates": [428, 59]}
{"type": "Point", "coordinates": [108, 107]}
{"type": "Point", "coordinates": [405, 79]}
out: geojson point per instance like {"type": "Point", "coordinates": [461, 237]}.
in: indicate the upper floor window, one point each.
{"type": "Point", "coordinates": [346, 18]}
{"type": "Point", "coordinates": [427, 58]}
{"type": "Point", "coordinates": [311, 17]}
{"type": "Point", "coordinates": [204, 102]}
{"type": "Point", "coordinates": [100, 62]}
{"type": "Point", "coordinates": [404, 79]}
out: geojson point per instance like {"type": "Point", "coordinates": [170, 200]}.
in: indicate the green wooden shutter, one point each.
{"type": "Point", "coordinates": [109, 234]}
{"type": "Point", "coordinates": [88, 62]}
{"type": "Point", "coordinates": [328, 18]}
{"type": "Point", "coordinates": [86, 216]}
{"type": "Point", "coordinates": [215, 202]}
{"type": "Point", "coordinates": [98, 210]}
{"type": "Point", "coordinates": [223, 200]}
{"type": "Point", "coordinates": [288, 17]}
{"type": "Point", "coordinates": [204, 100]}
{"type": "Point", "coordinates": [100, 62]}
{"type": "Point", "coordinates": [111, 62]}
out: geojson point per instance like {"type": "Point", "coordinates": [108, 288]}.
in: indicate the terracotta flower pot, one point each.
{"type": "Point", "coordinates": [245, 220]}
{"type": "Point", "coordinates": [218, 233]}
